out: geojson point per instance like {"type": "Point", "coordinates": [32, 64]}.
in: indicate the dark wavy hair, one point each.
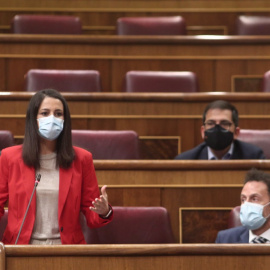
{"type": "Point", "coordinates": [259, 176]}
{"type": "Point", "coordinates": [31, 143]}
{"type": "Point", "coordinates": [222, 105]}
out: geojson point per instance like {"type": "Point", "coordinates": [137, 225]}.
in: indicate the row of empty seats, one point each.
{"type": "Point", "coordinates": [55, 24]}
{"type": "Point", "coordinates": [124, 144]}
{"type": "Point", "coordinates": [170, 25]}
{"type": "Point", "coordinates": [90, 81]}
{"type": "Point", "coordinates": [134, 81]}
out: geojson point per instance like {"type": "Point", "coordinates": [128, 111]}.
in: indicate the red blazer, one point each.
{"type": "Point", "coordinates": [78, 187]}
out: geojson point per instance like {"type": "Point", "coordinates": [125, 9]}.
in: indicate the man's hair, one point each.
{"type": "Point", "coordinates": [31, 143]}
{"type": "Point", "coordinates": [259, 176]}
{"type": "Point", "coordinates": [222, 105]}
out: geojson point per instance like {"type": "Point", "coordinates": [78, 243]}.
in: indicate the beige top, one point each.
{"type": "Point", "coordinates": [46, 228]}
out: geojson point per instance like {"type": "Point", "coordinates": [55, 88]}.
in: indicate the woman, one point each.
{"type": "Point", "coordinates": [68, 182]}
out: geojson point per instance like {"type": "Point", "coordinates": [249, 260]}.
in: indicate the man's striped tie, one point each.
{"type": "Point", "coordinates": [260, 240]}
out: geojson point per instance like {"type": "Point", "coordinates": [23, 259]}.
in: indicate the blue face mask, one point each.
{"type": "Point", "coordinates": [50, 127]}
{"type": "Point", "coordinates": [251, 215]}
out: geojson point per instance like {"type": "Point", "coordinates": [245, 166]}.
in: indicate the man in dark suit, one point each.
{"type": "Point", "coordinates": [254, 213]}
{"type": "Point", "coordinates": [220, 131]}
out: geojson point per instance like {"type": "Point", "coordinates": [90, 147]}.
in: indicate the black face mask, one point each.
{"type": "Point", "coordinates": [218, 138]}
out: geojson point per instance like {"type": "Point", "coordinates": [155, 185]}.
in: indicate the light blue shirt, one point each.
{"type": "Point", "coordinates": [228, 155]}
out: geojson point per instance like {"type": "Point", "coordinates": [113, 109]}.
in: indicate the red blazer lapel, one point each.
{"type": "Point", "coordinates": [29, 182]}
{"type": "Point", "coordinates": [65, 176]}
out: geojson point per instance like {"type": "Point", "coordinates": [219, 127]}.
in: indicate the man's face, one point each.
{"type": "Point", "coordinates": [219, 117]}
{"type": "Point", "coordinates": [256, 192]}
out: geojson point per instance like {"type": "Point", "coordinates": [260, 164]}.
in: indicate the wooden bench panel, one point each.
{"type": "Point", "coordinates": [185, 128]}
{"type": "Point", "coordinates": [151, 115]}
{"type": "Point", "coordinates": [177, 184]}
{"type": "Point", "coordinates": [201, 224]}
{"type": "Point", "coordinates": [99, 17]}
{"type": "Point", "coordinates": [133, 257]}
{"type": "Point", "coordinates": [215, 60]}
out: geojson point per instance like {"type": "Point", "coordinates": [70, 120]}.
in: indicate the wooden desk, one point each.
{"type": "Point", "coordinates": [215, 59]}
{"type": "Point", "coordinates": [175, 118]}
{"type": "Point", "coordinates": [180, 184]}
{"type": "Point", "coordinates": [134, 257]}
{"type": "Point", "coordinates": [142, 104]}
{"type": "Point", "coordinates": [99, 16]}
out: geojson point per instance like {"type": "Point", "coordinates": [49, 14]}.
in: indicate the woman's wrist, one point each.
{"type": "Point", "coordinates": [108, 214]}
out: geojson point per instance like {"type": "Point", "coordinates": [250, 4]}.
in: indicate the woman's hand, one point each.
{"type": "Point", "coordinates": [101, 205]}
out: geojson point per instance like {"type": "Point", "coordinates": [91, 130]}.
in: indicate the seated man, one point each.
{"type": "Point", "coordinates": [220, 131]}
{"type": "Point", "coordinates": [254, 212]}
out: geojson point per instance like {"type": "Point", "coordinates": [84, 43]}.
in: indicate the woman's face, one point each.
{"type": "Point", "coordinates": [51, 106]}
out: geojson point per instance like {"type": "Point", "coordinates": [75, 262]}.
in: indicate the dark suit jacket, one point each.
{"type": "Point", "coordinates": [233, 235]}
{"type": "Point", "coordinates": [242, 150]}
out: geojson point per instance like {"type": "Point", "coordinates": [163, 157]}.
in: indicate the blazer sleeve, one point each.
{"type": "Point", "coordinates": [90, 191]}
{"type": "Point", "coordinates": [4, 171]}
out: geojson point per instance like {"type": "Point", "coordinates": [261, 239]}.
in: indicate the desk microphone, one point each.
{"type": "Point", "coordinates": [38, 176]}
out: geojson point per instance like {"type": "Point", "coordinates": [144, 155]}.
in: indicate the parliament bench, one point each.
{"type": "Point", "coordinates": [197, 194]}
{"type": "Point", "coordinates": [133, 257]}
{"type": "Point", "coordinates": [219, 62]}
{"type": "Point", "coordinates": [167, 124]}
{"type": "Point", "coordinates": [99, 17]}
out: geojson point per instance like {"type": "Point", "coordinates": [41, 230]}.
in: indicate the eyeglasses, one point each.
{"type": "Point", "coordinates": [224, 124]}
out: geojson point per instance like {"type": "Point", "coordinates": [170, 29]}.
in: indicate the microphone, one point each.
{"type": "Point", "coordinates": [38, 176]}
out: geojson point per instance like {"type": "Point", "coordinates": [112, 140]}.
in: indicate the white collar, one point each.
{"type": "Point", "coordinates": [266, 235]}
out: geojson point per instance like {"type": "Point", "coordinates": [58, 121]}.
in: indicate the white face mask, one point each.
{"type": "Point", "coordinates": [251, 215]}
{"type": "Point", "coordinates": [50, 127]}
